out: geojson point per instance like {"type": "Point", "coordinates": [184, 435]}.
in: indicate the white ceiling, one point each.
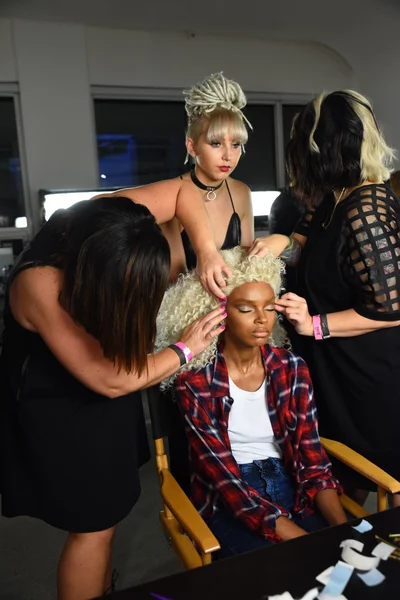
{"type": "Point", "coordinates": [250, 18]}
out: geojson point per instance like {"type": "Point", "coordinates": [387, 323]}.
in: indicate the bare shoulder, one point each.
{"type": "Point", "coordinates": [159, 197]}
{"type": "Point", "coordinates": [238, 186]}
{"type": "Point", "coordinates": [33, 292]}
{"type": "Point", "coordinates": [136, 194]}
{"type": "Point", "coordinates": [241, 195]}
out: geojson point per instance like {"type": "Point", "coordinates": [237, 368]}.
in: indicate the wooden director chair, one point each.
{"type": "Point", "coordinates": [384, 482]}
{"type": "Point", "coordinates": [188, 534]}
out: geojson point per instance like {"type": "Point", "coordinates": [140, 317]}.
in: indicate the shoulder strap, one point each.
{"type": "Point", "coordinates": [230, 195]}
{"type": "Point", "coordinates": [22, 267]}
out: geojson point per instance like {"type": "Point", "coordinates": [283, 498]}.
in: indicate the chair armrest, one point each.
{"type": "Point", "coordinates": [360, 464]}
{"type": "Point", "coordinates": [186, 514]}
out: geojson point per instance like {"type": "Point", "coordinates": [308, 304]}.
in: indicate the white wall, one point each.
{"type": "Point", "coordinates": [56, 63]}
{"type": "Point", "coordinates": [56, 107]}
{"type": "Point", "coordinates": [8, 67]}
{"type": "Point", "coordinates": [372, 48]}
{"type": "Point", "coordinates": [144, 59]}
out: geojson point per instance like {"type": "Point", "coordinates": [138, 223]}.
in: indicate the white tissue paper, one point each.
{"type": "Point", "coordinates": [383, 550]}
{"type": "Point", "coordinates": [359, 561]}
{"type": "Point", "coordinates": [355, 544]}
{"type": "Point", "coordinates": [324, 576]}
{"type": "Point", "coordinates": [336, 578]}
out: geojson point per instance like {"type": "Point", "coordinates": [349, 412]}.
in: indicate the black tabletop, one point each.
{"type": "Point", "coordinates": [290, 566]}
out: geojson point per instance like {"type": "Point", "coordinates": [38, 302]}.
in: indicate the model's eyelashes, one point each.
{"type": "Point", "coordinates": [244, 309]}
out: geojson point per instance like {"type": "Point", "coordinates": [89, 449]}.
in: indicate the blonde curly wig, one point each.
{"type": "Point", "coordinates": [218, 102]}
{"type": "Point", "coordinates": [186, 300]}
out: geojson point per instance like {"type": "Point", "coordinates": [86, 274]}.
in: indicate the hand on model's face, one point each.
{"type": "Point", "coordinates": [215, 159]}
{"type": "Point", "coordinates": [295, 310]}
{"type": "Point", "coordinates": [250, 314]}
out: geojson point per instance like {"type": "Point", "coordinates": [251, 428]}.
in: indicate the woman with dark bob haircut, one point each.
{"type": "Point", "coordinates": [80, 325]}
{"type": "Point", "coordinates": [347, 247]}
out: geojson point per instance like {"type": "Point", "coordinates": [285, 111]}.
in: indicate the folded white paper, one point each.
{"type": "Point", "coordinates": [383, 550]}
{"type": "Point", "coordinates": [311, 594]}
{"type": "Point", "coordinates": [359, 561]}
{"type": "Point", "coordinates": [359, 546]}
{"type": "Point", "coordinates": [324, 576]}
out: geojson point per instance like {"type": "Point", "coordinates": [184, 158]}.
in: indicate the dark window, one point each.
{"type": "Point", "coordinates": [257, 167]}
{"type": "Point", "coordinates": [11, 192]}
{"type": "Point", "coordinates": [139, 141]}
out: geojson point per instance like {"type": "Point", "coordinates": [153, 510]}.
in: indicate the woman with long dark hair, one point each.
{"type": "Point", "coordinates": [80, 324]}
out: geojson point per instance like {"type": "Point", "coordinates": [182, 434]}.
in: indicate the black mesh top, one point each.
{"type": "Point", "coordinates": [370, 249]}
{"type": "Point", "coordinates": [351, 260]}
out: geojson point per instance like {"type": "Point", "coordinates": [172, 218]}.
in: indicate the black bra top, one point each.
{"type": "Point", "coordinates": [232, 238]}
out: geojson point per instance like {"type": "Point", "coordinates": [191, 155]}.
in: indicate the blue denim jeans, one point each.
{"type": "Point", "coordinates": [272, 482]}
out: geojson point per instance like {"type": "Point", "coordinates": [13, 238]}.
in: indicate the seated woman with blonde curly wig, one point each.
{"type": "Point", "coordinates": [259, 472]}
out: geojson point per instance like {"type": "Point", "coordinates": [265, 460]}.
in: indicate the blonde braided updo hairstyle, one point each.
{"type": "Point", "coordinates": [216, 103]}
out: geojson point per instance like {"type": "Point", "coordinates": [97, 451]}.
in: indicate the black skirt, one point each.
{"type": "Point", "coordinates": [67, 455]}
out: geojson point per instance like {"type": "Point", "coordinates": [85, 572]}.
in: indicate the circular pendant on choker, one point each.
{"type": "Point", "coordinates": [210, 189]}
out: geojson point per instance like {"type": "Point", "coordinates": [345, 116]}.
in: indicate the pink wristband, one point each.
{"type": "Point", "coordinates": [186, 351]}
{"type": "Point", "coordinates": [317, 327]}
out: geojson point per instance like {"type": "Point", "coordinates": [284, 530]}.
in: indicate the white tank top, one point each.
{"type": "Point", "coordinates": [249, 426]}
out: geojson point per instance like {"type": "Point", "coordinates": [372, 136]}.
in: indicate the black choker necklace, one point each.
{"type": "Point", "coordinates": [210, 189]}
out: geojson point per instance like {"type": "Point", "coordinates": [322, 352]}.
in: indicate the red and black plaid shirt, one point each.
{"type": "Point", "coordinates": [203, 398]}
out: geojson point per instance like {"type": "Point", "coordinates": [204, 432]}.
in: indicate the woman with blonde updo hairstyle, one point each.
{"type": "Point", "coordinates": [215, 139]}
{"type": "Point", "coordinates": [259, 474]}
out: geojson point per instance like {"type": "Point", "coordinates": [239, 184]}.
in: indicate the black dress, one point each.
{"type": "Point", "coordinates": [68, 456]}
{"type": "Point", "coordinates": [353, 262]}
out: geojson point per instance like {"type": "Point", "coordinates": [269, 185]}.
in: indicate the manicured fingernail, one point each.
{"type": "Point", "coordinates": [222, 299]}
{"type": "Point", "coordinates": [225, 314]}
{"type": "Point", "coordinates": [223, 327]}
